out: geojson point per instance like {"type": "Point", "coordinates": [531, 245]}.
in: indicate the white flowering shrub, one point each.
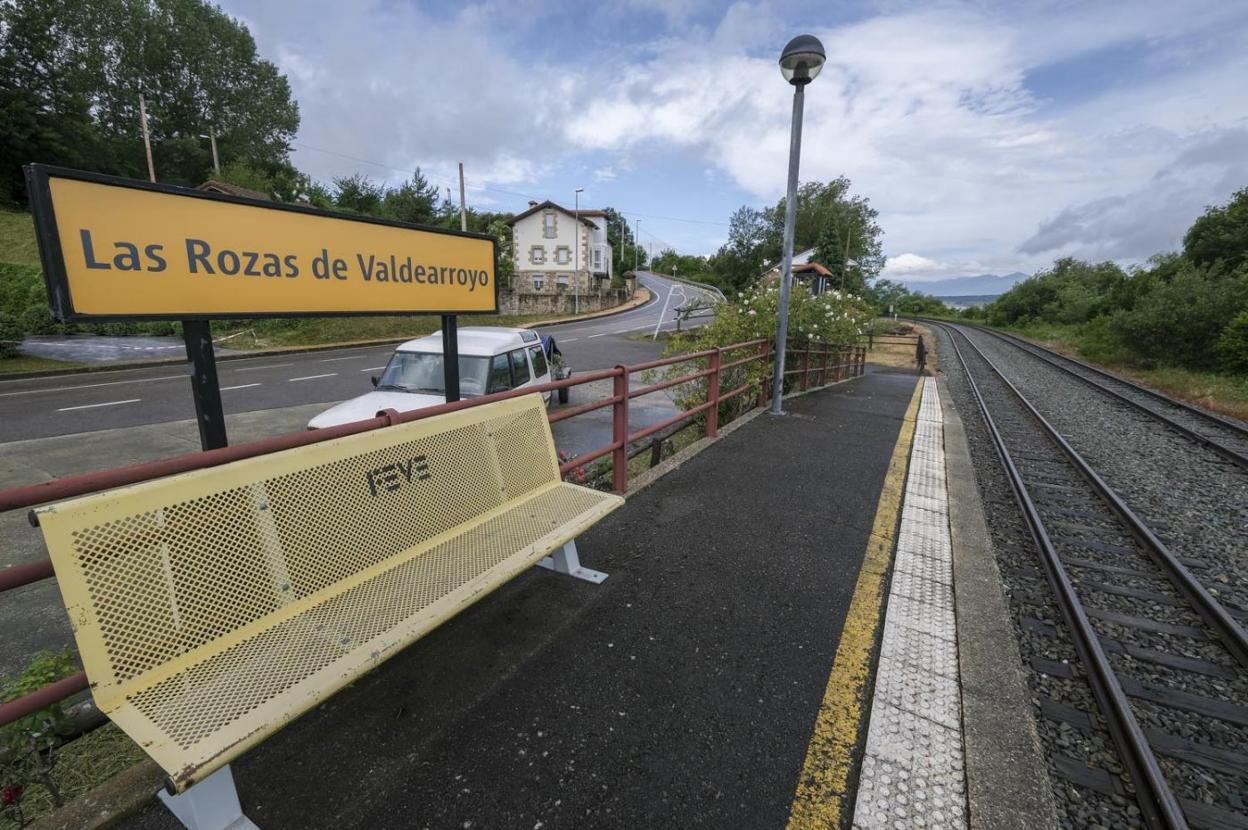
{"type": "Point", "coordinates": [834, 318]}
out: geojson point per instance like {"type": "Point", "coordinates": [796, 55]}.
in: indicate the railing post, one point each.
{"type": "Point", "coordinates": [823, 364]}
{"type": "Point", "coordinates": [712, 392]}
{"type": "Point", "coordinates": [619, 423]}
{"type": "Point", "coordinates": [806, 367]}
{"type": "Point", "coordinates": [862, 362]}
{"type": "Point", "coordinates": [762, 384]}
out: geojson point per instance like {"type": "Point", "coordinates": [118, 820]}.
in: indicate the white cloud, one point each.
{"type": "Point", "coordinates": [400, 87]}
{"type": "Point", "coordinates": [905, 265]}
{"type": "Point", "coordinates": [926, 107]}
{"type": "Point", "coordinates": [929, 113]}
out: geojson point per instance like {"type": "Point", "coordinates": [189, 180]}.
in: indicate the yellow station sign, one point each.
{"type": "Point", "coordinates": [116, 248]}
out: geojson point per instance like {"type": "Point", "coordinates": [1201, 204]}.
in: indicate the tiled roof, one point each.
{"type": "Point", "coordinates": [214, 186]}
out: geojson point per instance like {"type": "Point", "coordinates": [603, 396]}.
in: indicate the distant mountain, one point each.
{"type": "Point", "coordinates": [984, 284]}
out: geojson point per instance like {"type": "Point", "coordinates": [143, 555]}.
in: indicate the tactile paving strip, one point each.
{"type": "Point", "coordinates": [913, 771]}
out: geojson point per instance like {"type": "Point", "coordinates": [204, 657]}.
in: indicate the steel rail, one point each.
{"type": "Point", "coordinates": [1234, 637]}
{"type": "Point", "coordinates": [1157, 801]}
{"type": "Point", "coordinates": [1220, 420]}
{"type": "Point", "coordinates": [1045, 355]}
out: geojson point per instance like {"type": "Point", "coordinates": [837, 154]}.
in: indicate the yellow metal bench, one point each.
{"type": "Point", "coordinates": [211, 608]}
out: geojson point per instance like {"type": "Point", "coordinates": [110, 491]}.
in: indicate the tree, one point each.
{"type": "Point", "coordinates": [739, 262]}
{"type": "Point", "coordinates": [71, 72]}
{"type": "Point", "coordinates": [843, 230]}
{"type": "Point", "coordinates": [415, 201]}
{"type": "Point", "coordinates": [1220, 235]}
{"type": "Point", "coordinates": [358, 194]}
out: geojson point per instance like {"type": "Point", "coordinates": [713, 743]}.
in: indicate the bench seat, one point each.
{"type": "Point", "coordinates": [213, 607]}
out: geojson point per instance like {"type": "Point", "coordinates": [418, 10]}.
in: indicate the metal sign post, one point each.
{"type": "Point", "coordinates": [450, 356]}
{"type": "Point", "coordinates": [205, 387]}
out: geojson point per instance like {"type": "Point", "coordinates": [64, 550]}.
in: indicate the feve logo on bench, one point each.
{"type": "Point", "coordinates": [391, 477]}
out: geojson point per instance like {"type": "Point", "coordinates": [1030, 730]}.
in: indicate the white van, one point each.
{"type": "Point", "coordinates": [491, 359]}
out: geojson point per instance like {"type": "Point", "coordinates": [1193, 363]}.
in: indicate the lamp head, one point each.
{"type": "Point", "coordinates": [802, 59]}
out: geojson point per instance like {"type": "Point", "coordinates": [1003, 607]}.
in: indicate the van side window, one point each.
{"type": "Point", "coordinates": [539, 360]}
{"type": "Point", "coordinates": [519, 368]}
{"type": "Point", "coordinates": [500, 374]}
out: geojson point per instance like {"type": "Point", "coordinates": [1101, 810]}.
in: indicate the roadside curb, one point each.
{"type": "Point", "coordinates": [1007, 782]}
{"type": "Point", "coordinates": [280, 351]}
{"type": "Point", "coordinates": [103, 806]}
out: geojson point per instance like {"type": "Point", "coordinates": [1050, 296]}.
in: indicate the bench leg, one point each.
{"type": "Point", "coordinates": [565, 561]}
{"type": "Point", "coordinates": [212, 804]}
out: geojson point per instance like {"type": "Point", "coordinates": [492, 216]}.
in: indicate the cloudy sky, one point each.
{"type": "Point", "coordinates": [991, 136]}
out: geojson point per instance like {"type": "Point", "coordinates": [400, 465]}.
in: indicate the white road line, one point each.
{"type": "Point", "coordinates": [311, 377]}
{"type": "Point", "coordinates": [94, 405]}
{"type": "Point", "coordinates": [570, 339]}
{"type": "Point", "coordinates": [348, 357]}
{"type": "Point", "coordinates": [243, 386]}
{"type": "Point", "coordinates": [592, 336]}
{"type": "Point", "coordinates": [266, 366]}
{"type": "Point", "coordinates": [372, 368]}
{"type": "Point", "coordinates": [90, 385]}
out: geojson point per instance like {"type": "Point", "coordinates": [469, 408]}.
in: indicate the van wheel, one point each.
{"type": "Point", "coordinates": [563, 395]}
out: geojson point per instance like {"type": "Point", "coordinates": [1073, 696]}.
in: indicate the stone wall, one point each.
{"type": "Point", "coordinates": [559, 302]}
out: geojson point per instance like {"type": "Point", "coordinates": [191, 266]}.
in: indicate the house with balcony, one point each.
{"type": "Point", "coordinates": [561, 251]}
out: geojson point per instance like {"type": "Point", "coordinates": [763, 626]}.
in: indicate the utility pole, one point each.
{"type": "Point", "coordinates": [463, 205]}
{"type": "Point", "coordinates": [576, 255]}
{"type": "Point", "coordinates": [147, 139]}
{"type": "Point", "coordinates": [216, 160]}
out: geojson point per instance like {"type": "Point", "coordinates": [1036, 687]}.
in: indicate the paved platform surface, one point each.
{"type": "Point", "coordinates": [680, 693]}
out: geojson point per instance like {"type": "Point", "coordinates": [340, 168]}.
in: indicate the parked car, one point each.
{"type": "Point", "coordinates": [491, 359]}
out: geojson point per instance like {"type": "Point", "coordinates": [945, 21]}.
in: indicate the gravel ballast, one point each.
{"type": "Point", "coordinates": [1129, 603]}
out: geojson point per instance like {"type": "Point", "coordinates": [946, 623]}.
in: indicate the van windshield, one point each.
{"type": "Point", "coordinates": [422, 372]}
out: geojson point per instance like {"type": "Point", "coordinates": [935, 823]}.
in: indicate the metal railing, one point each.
{"type": "Point", "coordinates": [818, 362]}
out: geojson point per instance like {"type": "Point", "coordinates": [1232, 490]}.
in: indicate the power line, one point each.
{"type": "Point", "coordinates": [491, 189]}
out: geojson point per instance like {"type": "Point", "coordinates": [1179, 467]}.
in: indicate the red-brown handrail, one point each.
{"type": "Point", "coordinates": [16, 498]}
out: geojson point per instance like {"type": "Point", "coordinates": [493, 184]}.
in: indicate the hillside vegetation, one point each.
{"type": "Point", "coordinates": [1181, 320]}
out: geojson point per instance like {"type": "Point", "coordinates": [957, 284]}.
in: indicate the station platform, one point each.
{"type": "Point", "coordinates": [724, 675]}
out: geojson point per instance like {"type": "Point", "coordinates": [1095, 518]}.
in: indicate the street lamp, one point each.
{"type": "Point", "coordinates": [576, 254]}
{"type": "Point", "coordinates": [216, 162]}
{"type": "Point", "coordinates": [636, 245]}
{"type": "Point", "coordinates": [800, 62]}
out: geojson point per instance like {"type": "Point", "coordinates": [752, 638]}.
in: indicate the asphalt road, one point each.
{"type": "Point", "coordinates": [68, 404]}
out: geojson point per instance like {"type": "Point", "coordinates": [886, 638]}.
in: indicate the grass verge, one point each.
{"type": "Point", "coordinates": [1227, 394]}
{"type": "Point", "coordinates": [82, 765]}
{"type": "Point", "coordinates": [22, 364]}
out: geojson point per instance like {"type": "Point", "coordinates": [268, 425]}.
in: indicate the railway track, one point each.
{"type": "Point", "coordinates": [1166, 662]}
{"type": "Point", "coordinates": [1224, 436]}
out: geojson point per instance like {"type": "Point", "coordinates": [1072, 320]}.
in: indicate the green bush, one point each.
{"type": "Point", "coordinates": [1179, 322]}
{"type": "Point", "coordinates": [1232, 346]}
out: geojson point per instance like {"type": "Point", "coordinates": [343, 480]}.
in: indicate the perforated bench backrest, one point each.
{"type": "Point", "coordinates": [155, 571]}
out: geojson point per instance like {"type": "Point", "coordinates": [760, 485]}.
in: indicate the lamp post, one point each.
{"type": "Point", "coordinates": [576, 254]}
{"type": "Point", "coordinates": [800, 62]}
{"type": "Point", "coordinates": [216, 160]}
{"type": "Point", "coordinates": [636, 245]}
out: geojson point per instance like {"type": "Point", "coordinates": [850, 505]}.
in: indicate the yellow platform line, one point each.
{"type": "Point", "coordinates": [823, 786]}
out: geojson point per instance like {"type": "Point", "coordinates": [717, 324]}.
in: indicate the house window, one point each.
{"type": "Point", "coordinates": [537, 255]}
{"type": "Point", "coordinates": [597, 259]}
{"type": "Point", "coordinates": [563, 255]}
{"type": "Point", "coordinates": [538, 281]}
{"type": "Point", "coordinates": [549, 228]}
